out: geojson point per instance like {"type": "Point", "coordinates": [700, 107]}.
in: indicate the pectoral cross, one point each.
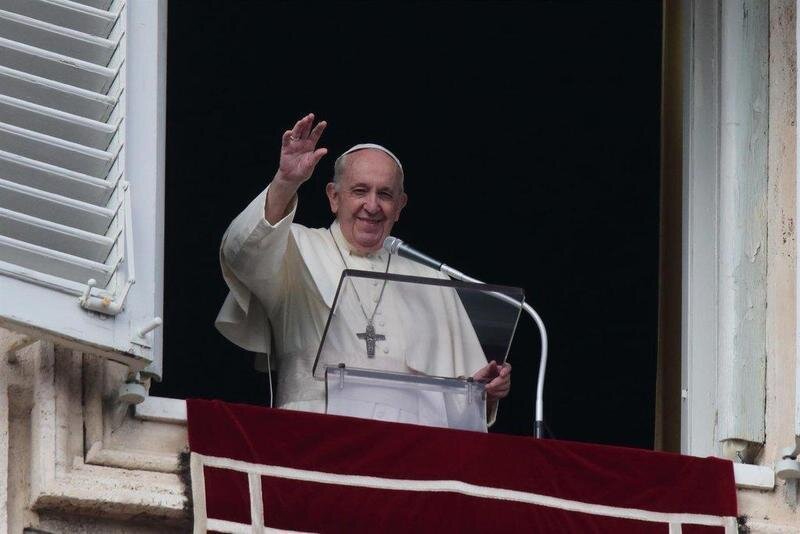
{"type": "Point", "coordinates": [371, 337]}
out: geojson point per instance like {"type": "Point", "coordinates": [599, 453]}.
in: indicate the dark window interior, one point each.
{"type": "Point", "coordinates": [529, 132]}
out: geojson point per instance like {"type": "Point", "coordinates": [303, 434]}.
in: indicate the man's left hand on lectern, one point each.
{"type": "Point", "coordinates": [499, 380]}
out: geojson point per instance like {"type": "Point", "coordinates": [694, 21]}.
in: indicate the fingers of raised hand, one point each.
{"type": "Point", "coordinates": [316, 133]}
{"type": "Point", "coordinates": [302, 137]}
{"type": "Point", "coordinates": [287, 138]}
{"type": "Point", "coordinates": [318, 155]}
{"type": "Point", "coordinates": [301, 128]}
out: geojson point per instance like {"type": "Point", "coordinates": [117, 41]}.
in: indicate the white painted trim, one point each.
{"type": "Point", "coordinates": [220, 525]}
{"type": "Point", "coordinates": [145, 134]}
{"type": "Point", "coordinates": [256, 503]}
{"type": "Point", "coordinates": [700, 254]}
{"type": "Point", "coordinates": [199, 495]}
{"type": "Point", "coordinates": [465, 488]}
{"type": "Point", "coordinates": [742, 241]}
{"type": "Point", "coordinates": [162, 409]}
{"type": "Point", "coordinates": [758, 477]}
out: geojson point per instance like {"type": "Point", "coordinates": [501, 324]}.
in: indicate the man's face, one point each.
{"type": "Point", "coordinates": [369, 199]}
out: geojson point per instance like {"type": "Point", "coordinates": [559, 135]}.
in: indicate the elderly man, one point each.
{"type": "Point", "coordinates": [283, 276]}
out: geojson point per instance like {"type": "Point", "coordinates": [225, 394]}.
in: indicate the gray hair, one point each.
{"type": "Point", "coordinates": [341, 163]}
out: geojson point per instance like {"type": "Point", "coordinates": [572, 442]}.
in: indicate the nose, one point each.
{"type": "Point", "coordinates": [371, 205]}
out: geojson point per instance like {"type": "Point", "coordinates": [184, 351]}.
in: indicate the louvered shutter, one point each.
{"type": "Point", "coordinates": [82, 94]}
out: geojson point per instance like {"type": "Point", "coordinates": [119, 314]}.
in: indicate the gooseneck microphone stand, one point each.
{"type": "Point", "coordinates": [394, 245]}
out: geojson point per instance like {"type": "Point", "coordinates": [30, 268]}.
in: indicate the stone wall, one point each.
{"type": "Point", "coordinates": [72, 459]}
{"type": "Point", "coordinates": [776, 511]}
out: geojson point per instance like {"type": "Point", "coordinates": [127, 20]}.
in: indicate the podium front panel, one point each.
{"type": "Point", "coordinates": [422, 326]}
{"type": "Point", "coordinates": [406, 398]}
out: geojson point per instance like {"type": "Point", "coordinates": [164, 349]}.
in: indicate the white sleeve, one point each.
{"type": "Point", "coordinates": [252, 258]}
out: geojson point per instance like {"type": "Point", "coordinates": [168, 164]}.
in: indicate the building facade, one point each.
{"type": "Point", "coordinates": [82, 93]}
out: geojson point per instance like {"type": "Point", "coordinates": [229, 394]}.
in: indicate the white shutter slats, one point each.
{"type": "Point", "coordinates": [49, 234]}
{"type": "Point", "coordinates": [57, 208]}
{"type": "Point", "coordinates": [80, 149]}
{"type": "Point", "coordinates": [56, 123]}
{"type": "Point", "coordinates": [55, 38]}
{"type": "Point", "coordinates": [76, 16]}
{"type": "Point", "coordinates": [39, 279]}
{"type": "Point", "coordinates": [53, 179]}
{"type": "Point", "coordinates": [58, 151]}
{"type": "Point", "coordinates": [55, 66]}
{"type": "Point", "coordinates": [99, 4]}
{"type": "Point", "coordinates": [55, 151]}
{"type": "Point", "coordinates": [51, 93]}
{"type": "Point", "coordinates": [53, 262]}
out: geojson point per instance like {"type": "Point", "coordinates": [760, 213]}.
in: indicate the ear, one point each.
{"type": "Point", "coordinates": [403, 202]}
{"type": "Point", "coordinates": [333, 197]}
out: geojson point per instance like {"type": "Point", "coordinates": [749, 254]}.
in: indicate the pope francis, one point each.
{"type": "Point", "coordinates": [283, 276]}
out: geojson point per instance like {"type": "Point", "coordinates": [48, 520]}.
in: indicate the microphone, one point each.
{"type": "Point", "coordinates": [393, 245]}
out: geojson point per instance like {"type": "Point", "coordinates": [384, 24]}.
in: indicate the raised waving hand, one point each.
{"type": "Point", "coordinates": [299, 157]}
{"type": "Point", "coordinates": [299, 152]}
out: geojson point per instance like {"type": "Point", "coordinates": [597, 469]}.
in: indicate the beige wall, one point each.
{"type": "Point", "coordinates": [72, 459]}
{"type": "Point", "coordinates": [777, 511]}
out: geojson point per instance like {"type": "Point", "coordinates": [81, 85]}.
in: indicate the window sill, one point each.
{"type": "Point", "coordinates": [757, 477]}
{"type": "Point", "coordinates": [162, 409]}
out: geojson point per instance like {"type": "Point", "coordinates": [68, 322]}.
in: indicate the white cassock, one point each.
{"type": "Point", "coordinates": [283, 279]}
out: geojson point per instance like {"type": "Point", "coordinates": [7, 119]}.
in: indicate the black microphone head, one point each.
{"type": "Point", "coordinates": [391, 244]}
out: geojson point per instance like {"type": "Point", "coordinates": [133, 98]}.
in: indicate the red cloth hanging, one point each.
{"type": "Point", "coordinates": [340, 474]}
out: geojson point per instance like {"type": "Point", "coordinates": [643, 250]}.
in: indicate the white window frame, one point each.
{"type": "Point", "coordinates": [46, 309]}
{"type": "Point", "coordinates": [723, 356]}
{"type": "Point", "coordinates": [700, 228]}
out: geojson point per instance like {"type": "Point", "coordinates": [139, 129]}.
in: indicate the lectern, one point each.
{"type": "Point", "coordinates": [404, 348]}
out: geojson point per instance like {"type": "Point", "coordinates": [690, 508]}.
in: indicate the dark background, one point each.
{"type": "Point", "coordinates": [529, 134]}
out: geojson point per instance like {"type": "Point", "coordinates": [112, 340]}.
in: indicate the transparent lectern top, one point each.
{"type": "Point", "coordinates": [409, 324]}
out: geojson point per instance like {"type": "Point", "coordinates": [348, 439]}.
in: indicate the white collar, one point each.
{"type": "Point", "coordinates": [347, 249]}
